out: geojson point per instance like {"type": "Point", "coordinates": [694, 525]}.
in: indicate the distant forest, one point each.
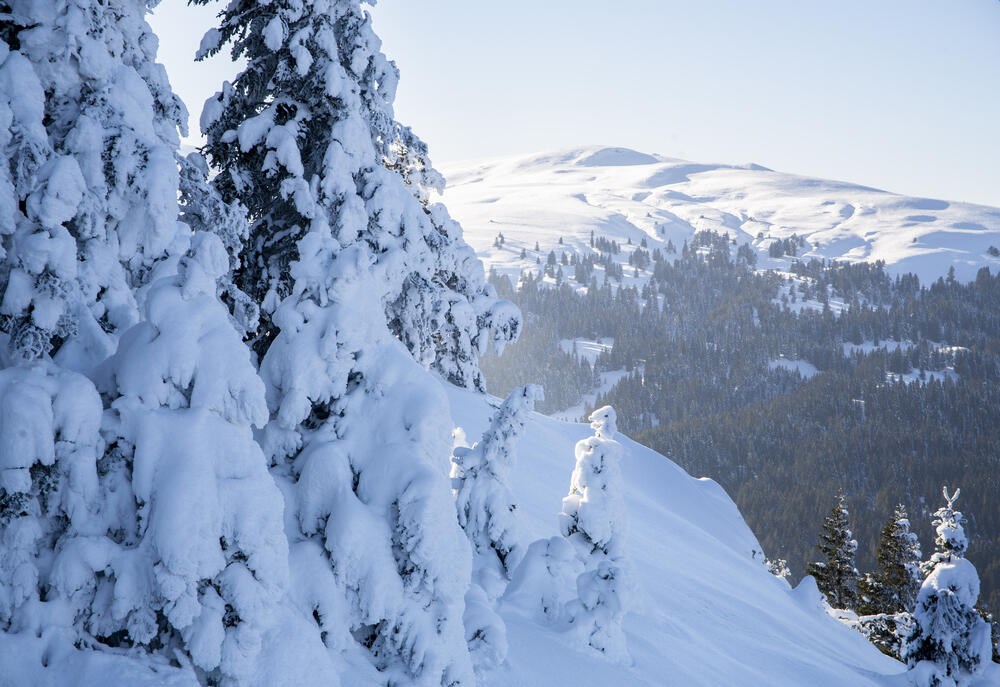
{"type": "Point", "coordinates": [715, 351]}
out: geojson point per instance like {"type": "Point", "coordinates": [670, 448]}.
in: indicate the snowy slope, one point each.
{"type": "Point", "coordinates": [622, 194]}
{"type": "Point", "coordinates": [706, 611]}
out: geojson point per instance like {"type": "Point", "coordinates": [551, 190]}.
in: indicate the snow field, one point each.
{"type": "Point", "coordinates": [570, 193]}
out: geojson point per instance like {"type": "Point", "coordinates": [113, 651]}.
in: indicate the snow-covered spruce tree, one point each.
{"type": "Point", "coordinates": [950, 641]}
{"type": "Point", "coordinates": [887, 596]}
{"type": "Point", "coordinates": [487, 513]}
{"type": "Point", "coordinates": [164, 534]}
{"type": "Point", "coordinates": [203, 560]}
{"type": "Point", "coordinates": [362, 285]}
{"type": "Point", "coordinates": [836, 576]}
{"type": "Point", "coordinates": [486, 507]}
{"type": "Point", "coordinates": [90, 129]}
{"type": "Point", "coordinates": [893, 587]}
{"type": "Point", "coordinates": [315, 107]}
{"type": "Point", "coordinates": [593, 520]}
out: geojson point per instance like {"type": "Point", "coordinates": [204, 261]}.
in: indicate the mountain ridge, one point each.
{"type": "Point", "coordinates": [627, 195]}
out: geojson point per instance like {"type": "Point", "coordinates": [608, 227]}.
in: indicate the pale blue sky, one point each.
{"type": "Point", "coordinates": [898, 94]}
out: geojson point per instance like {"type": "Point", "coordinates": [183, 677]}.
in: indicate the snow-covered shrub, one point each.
{"type": "Point", "coordinates": [544, 584]}
{"type": "Point", "coordinates": [778, 567]}
{"type": "Point", "coordinates": [487, 510]}
{"type": "Point", "coordinates": [485, 632]}
{"type": "Point", "coordinates": [950, 642]}
{"type": "Point", "coordinates": [887, 631]}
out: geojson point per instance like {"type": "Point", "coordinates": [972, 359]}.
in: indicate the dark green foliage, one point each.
{"type": "Point", "coordinates": [835, 573]}
{"type": "Point", "coordinates": [886, 631]}
{"type": "Point", "coordinates": [893, 587]}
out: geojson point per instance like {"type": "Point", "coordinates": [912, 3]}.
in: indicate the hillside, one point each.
{"type": "Point", "coordinates": [705, 609]}
{"type": "Point", "coordinates": [623, 194]}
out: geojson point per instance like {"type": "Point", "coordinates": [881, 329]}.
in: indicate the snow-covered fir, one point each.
{"type": "Point", "coordinates": [887, 596]}
{"type": "Point", "coordinates": [230, 384]}
{"type": "Point", "coordinates": [835, 573]}
{"type": "Point", "coordinates": [950, 642]}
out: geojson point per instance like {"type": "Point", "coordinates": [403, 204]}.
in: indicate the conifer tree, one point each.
{"type": "Point", "coordinates": [90, 129]}
{"type": "Point", "coordinates": [204, 559]}
{"type": "Point", "coordinates": [887, 596]}
{"type": "Point", "coordinates": [88, 216]}
{"type": "Point", "coordinates": [362, 283]}
{"type": "Point", "coordinates": [836, 575]}
{"type": "Point", "coordinates": [593, 520]}
{"type": "Point", "coordinates": [486, 507]}
{"type": "Point", "coordinates": [893, 587]}
{"type": "Point", "coordinates": [488, 514]}
{"type": "Point", "coordinates": [157, 527]}
{"type": "Point", "coordinates": [49, 494]}
{"type": "Point", "coordinates": [305, 138]}
{"type": "Point", "coordinates": [950, 641]}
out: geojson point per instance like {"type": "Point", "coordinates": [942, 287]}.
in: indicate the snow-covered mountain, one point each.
{"type": "Point", "coordinates": [623, 194]}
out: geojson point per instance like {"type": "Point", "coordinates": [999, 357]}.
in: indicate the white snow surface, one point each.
{"type": "Point", "coordinates": [586, 349]}
{"type": "Point", "coordinates": [623, 194]}
{"type": "Point", "coordinates": [803, 367]}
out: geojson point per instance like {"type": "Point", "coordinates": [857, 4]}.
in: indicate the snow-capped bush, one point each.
{"type": "Point", "coordinates": [544, 584]}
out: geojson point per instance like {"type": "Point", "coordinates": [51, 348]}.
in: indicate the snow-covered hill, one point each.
{"type": "Point", "coordinates": [623, 194]}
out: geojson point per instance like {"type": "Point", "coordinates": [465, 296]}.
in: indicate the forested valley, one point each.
{"type": "Point", "coordinates": [785, 387]}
